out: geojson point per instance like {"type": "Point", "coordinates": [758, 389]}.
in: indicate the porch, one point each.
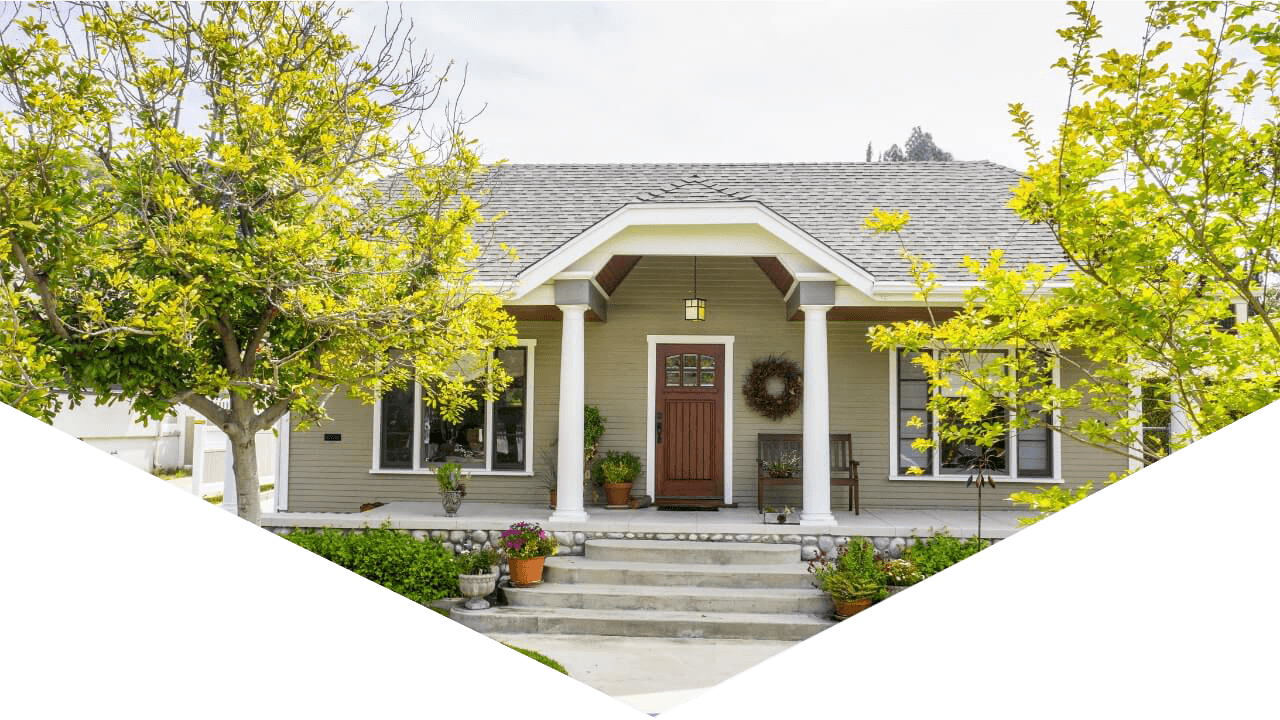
{"type": "Point", "coordinates": [727, 524]}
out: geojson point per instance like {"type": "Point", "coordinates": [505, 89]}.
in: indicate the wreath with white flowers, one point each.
{"type": "Point", "coordinates": [756, 387]}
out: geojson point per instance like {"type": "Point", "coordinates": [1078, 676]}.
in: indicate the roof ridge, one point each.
{"type": "Point", "coordinates": [692, 178]}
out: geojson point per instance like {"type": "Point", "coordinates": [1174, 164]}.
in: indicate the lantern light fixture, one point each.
{"type": "Point", "coordinates": [695, 308]}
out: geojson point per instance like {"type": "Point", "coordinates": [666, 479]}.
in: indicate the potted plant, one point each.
{"type": "Point", "coordinates": [453, 487]}
{"type": "Point", "coordinates": [526, 546]}
{"type": "Point", "coordinates": [547, 475]}
{"type": "Point", "coordinates": [780, 517]}
{"type": "Point", "coordinates": [900, 574]}
{"type": "Point", "coordinates": [785, 466]}
{"type": "Point", "coordinates": [618, 471]}
{"type": "Point", "coordinates": [477, 576]}
{"type": "Point", "coordinates": [854, 579]}
{"type": "Point", "coordinates": [592, 431]}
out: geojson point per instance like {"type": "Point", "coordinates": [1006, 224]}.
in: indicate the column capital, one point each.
{"type": "Point", "coordinates": [574, 307]}
{"type": "Point", "coordinates": [814, 308]}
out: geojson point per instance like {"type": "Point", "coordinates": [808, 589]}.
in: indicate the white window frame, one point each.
{"type": "Point", "coordinates": [934, 473]}
{"type": "Point", "coordinates": [420, 469]}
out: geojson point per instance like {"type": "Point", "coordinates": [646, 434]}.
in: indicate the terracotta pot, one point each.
{"type": "Point", "coordinates": [849, 608]}
{"type": "Point", "coordinates": [617, 494]}
{"type": "Point", "coordinates": [553, 499]}
{"type": "Point", "coordinates": [525, 572]}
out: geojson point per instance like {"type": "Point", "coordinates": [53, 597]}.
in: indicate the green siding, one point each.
{"type": "Point", "coordinates": [741, 303]}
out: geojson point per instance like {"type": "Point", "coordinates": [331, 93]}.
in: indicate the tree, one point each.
{"type": "Point", "coordinates": [196, 208]}
{"type": "Point", "coordinates": [1161, 191]}
{"type": "Point", "coordinates": [919, 148]}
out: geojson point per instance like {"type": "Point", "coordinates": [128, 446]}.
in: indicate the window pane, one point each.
{"type": "Point", "coordinates": [908, 370]}
{"type": "Point", "coordinates": [1033, 457]}
{"type": "Point", "coordinates": [905, 430]}
{"type": "Point", "coordinates": [691, 361]}
{"type": "Point", "coordinates": [913, 394]}
{"type": "Point", "coordinates": [708, 362]}
{"type": "Point", "coordinates": [461, 442]}
{"type": "Point", "coordinates": [691, 376]}
{"type": "Point", "coordinates": [909, 457]}
{"type": "Point", "coordinates": [708, 378]}
{"type": "Point", "coordinates": [508, 432]}
{"type": "Point", "coordinates": [396, 412]}
{"type": "Point", "coordinates": [959, 458]}
{"type": "Point", "coordinates": [673, 378]}
{"type": "Point", "coordinates": [673, 362]}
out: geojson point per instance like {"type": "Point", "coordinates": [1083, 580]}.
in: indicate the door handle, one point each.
{"type": "Point", "coordinates": [658, 429]}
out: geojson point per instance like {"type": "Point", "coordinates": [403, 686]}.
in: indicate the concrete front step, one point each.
{"type": "Point", "coordinates": [579, 570]}
{"type": "Point", "coordinates": [678, 598]}
{"type": "Point", "coordinates": [673, 624]}
{"type": "Point", "coordinates": [694, 552]}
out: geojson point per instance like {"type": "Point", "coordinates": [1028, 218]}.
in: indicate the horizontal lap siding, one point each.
{"type": "Point", "coordinates": [334, 476]}
{"type": "Point", "coordinates": [741, 302]}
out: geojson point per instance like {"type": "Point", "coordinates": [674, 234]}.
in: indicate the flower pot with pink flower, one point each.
{"type": "Point", "coordinates": [526, 546]}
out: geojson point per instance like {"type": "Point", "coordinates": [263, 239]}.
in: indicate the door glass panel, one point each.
{"type": "Point", "coordinates": [708, 374]}
{"type": "Point", "coordinates": [673, 370]}
{"type": "Point", "coordinates": [691, 361]}
{"type": "Point", "coordinates": [691, 376]}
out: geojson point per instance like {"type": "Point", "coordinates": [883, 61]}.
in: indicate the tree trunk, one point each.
{"type": "Point", "coordinates": [244, 458]}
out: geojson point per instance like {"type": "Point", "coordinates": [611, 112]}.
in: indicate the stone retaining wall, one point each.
{"type": "Point", "coordinates": [574, 543]}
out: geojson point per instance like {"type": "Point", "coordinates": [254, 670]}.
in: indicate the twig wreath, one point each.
{"type": "Point", "coordinates": [756, 387]}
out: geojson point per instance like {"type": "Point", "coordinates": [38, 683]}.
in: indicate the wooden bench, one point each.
{"type": "Point", "coordinates": [772, 447]}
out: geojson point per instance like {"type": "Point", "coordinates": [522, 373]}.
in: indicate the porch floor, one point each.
{"type": "Point", "coordinates": [873, 522]}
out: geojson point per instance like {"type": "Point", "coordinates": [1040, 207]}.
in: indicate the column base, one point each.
{"type": "Point", "coordinates": [808, 518]}
{"type": "Point", "coordinates": [568, 516]}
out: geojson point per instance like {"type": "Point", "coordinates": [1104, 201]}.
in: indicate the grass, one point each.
{"type": "Point", "coordinates": [168, 476]}
{"type": "Point", "coordinates": [217, 499]}
{"type": "Point", "coordinates": [539, 657]}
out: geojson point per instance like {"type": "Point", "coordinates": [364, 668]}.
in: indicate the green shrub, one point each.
{"type": "Point", "coordinates": [421, 570]}
{"type": "Point", "coordinates": [540, 658]}
{"type": "Point", "coordinates": [935, 554]}
{"type": "Point", "coordinates": [619, 467]}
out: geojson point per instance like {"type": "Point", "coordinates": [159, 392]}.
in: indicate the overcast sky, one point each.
{"type": "Point", "coordinates": [736, 81]}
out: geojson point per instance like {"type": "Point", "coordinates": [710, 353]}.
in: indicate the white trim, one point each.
{"type": "Point", "coordinates": [419, 469]}
{"type": "Point", "coordinates": [935, 475]}
{"type": "Point", "coordinates": [953, 291]}
{"type": "Point", "coordinates": [651, 395]}
{"type": "Point", "coordinates": [710, 213]}
{"type": "Point", "coordinates": [587, 275]}
{"type": "Point", "coordinates": [281, 502]}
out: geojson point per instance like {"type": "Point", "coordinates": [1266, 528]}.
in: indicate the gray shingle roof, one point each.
{"type": "Point", "coordinates": [957, 208]}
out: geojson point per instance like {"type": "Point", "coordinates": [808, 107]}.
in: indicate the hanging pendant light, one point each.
{"type": "Point", "coordinates": [695, 308]}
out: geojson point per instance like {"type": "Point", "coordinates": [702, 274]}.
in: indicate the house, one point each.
{"type": "Point", "coordinates": [781, 258]}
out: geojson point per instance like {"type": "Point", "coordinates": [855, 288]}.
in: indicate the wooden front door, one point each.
{"type": "Point", "coordinates": [689, 437]}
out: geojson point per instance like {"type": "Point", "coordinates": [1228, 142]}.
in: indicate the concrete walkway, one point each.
{"type": "Point", "coordinates": [652, 675]}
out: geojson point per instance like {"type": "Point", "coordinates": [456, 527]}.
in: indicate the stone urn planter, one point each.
{"type": "Point", "coordinates": [451, 500]}
{"type": "Point", "coordinates": [895, 589]}
{"type": "Point", "coordinates": [617, 495]}
{"type": "Point", "coordinates": [475, 588]}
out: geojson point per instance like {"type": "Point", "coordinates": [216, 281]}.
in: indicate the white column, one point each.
{"type": "Point", "coordinates": [817, 420]}
{"type": "Point", "coordinates": [572, 400]}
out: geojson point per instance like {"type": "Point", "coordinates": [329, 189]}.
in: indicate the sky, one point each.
{"type": "Point", "coordinates": [574, 82]}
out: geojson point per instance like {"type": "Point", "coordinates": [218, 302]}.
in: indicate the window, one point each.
{"type": "Point", "coordinates": [1026, 453]}
{"type": "Point", "coordinates": [411, 436]}
{"type": "Point", "coordinates": [1156, 418]}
